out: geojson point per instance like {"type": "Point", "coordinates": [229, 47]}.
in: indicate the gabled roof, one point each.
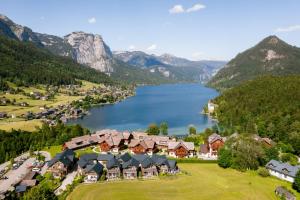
{"type": "Point", "coordinates": [159, 159]}
{"type": "Point", "coordinates": [87, 159]}
{"type": "Point", "coordinates": [187, 145]}
{"type": "Point", "coordinates": [131, 163]}
{"type": "Point", "coordinates": [66, 157]}
{"type": "Point", "coordinates": [140, 157]}
{"type": "Point", "coordinates": [97, 167]}
{"type": "Point", "coordinates": [172, 164]}
{"type": "Point", "coordinates": [214, 137]}
{"type": "Point", "coordinates": [283, 191]}
{"type": "Point", "coordinates": [147, 162]}
{"type": "Point", "coordinates": [112, 163]}
{"type": "Point", "coordinates": [105, 157]}
{"type": "Point", "coordinates": [125, 157]}
{"type": "Point", "coordinates": [283, 168]}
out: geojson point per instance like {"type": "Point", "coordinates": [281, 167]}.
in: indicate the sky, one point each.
{"type": "Point", "coordinates": [193, 29]}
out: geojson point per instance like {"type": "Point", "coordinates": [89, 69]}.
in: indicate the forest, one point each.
{"type": "Point", "coordinates": [16, 142]}
{"type": "Point", "coordinates": [25, 64]}
{"type": "Point", "coordinates": [268, 106]}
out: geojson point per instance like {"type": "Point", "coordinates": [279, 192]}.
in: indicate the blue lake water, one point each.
{"type": "Point", "coordinates": [179, 105]}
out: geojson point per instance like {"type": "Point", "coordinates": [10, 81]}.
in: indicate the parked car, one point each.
{"type": "Point", "coordinates": [35, 169]}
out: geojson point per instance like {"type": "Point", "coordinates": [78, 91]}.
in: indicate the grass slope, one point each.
{"type": "Point", "coordinates": [205, 182]}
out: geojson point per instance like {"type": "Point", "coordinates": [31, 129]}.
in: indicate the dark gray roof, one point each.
{"type": "Point", "coordinates": [283, 168]}
{"type": "Point", "coordinates": [87, 159]}
{"type": "Point", "coordinates": [112, 163]}
{"type": "Point", "coordinates": [66, 157]}
{"type": "Point", "coordinates": [147, 162]}
{"type": "Point", "coordinates": [21, 188]}
{"type": "Point", "coordinates": [159, 159]}
{"type": "Point", "coordinates": [125, 157]}
{"type": "Point", "coordinates": [98, 168]}
{"type": "Point", "coordinates": [140, 157]}
{"type": "Point", "coordinates": [131, 163]}
{"type": "Point", "coordinates": [172, 164]}
{"type": "Point", "coordinates": [105, 157]}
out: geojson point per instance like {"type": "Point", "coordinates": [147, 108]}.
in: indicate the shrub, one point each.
{"type": "Point", "coordinates": [263, 172]}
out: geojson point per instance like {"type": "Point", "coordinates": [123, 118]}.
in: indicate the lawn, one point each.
{"type": "Point", "coordinates": [16, 124]}
{"type": "Point", "coordinates": [204, 181]}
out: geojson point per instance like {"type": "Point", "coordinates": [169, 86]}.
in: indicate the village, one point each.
{"type": "Point", "coordinates": [116, 156]}
{"type": "Point", "coordinates": [51, 103]}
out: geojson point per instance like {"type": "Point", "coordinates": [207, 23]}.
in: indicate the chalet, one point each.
{"type": "Point", "coordinates": [147, 165]}
{"type": "Point", "coordinates": [282, 171]}
{"type": "Point", "coordinates": [127, 137]}
{"type": "Point", "coordinates": [130, 168]}
{"type": "Point", "coordinates": [93, 172]}
{"type": "Point", "coordinates": [211, 107]}
{"type": "Point", "coordinates": [123, 158]}
{"type": "Point", "coordinates": [161, 162]}
{"type": "Point", "coordinates": [142, 146]}
{"type": "Point", "coordinates": [80, 142]}
{"type": "Point", "coordinates": [112, 144]}
{"type": "Point", "coordinates": [173, 168]}
{"type": "Point", "coordinates": [210, 148]}
{"type": "Point", "coordinates": [113, 169]}
{"type": "Point", "coordinates": [267, 142]}
{"type": "Point", "coordinates": [181, 149]}
{"type": "Point", "coordinates": [160, 141]}
{"type": "Point", "coordinates": [103, 158]}
{"type": "Point", "coordinates": [139, 135]}
{"type": "Point", "coordinates": [62, 163]}
{"type": "Point", "coordinates": [283, 193]}
{"type": "Point", "coordinates": [86, 159]}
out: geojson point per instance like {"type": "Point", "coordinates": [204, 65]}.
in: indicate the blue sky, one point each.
{"type": "Point", "coordinates": [194, 29]}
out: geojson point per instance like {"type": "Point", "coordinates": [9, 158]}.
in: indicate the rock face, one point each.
{"type": "Point", "coordinates": [15, 31]}
{"type": "Point", "coordinates": [90, 50]}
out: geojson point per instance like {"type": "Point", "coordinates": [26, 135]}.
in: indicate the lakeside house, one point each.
{"type": "Point", "coordinates": [113, 169]}
{"type": "Point", "coordinates": [80, 142]}
{"type": "Point", "coordinates": [103, 158]}
{"type": "Point", "coordinates": [181, 149]}
{"type": "Point", "coordinates": [112, 143]}
{"type": "Point", "coordinates": [161, 163]}
{"type": "Point", "coordinates": [142, 146]}
{"type": "Point", "coordinates": [148, 168]}
{"type": "Point", "coordinates": [211, 147]}
{"type": "Point", "coordinates": [130, 168]}
{"type": "Point", "coordinates": [283, 171]}
{"type": "Point", "coordinates": [62, 163]}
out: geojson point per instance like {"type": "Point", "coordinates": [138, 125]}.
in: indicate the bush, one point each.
{"type": "Point", "coordinates": [296, 184]}
{"type": "Point", "coordinates": [225, 158]}
{"type": "Point", "coordinates": [263, 172]}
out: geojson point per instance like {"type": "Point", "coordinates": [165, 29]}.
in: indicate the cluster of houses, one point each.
{"type": "Point", "coordinates": [92, 166]}
{"type": "Point", "coordinates": [112, 141]}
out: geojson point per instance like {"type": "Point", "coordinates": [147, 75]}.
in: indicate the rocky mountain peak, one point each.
{"type": "Point", "coordinates": [91, 50]}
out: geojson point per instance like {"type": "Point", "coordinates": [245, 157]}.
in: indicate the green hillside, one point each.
{"type": "Point", "coordinates": [271, 56]}
{"type": "Point", "coordinates": [268, 106]}
{"type": "Point", "coordinates": [24, 63]}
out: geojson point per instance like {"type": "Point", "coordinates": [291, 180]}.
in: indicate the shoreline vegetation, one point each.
{"type": "Point", "coordinates": [26, 108]}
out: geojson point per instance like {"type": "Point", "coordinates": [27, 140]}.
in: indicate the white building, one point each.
{"type": "Point", "coordinates": [282, 171]}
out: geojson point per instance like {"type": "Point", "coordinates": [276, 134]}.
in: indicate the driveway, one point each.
{"type": "Point", "coordinates": [67, 181]}
{"type": "Point", "coordinates": [15, 176]}
{"type": "Point", "coordinates": [47, 159]}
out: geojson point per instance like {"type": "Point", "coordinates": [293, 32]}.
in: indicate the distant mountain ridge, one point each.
{"type": "Point", "coordinates": [85, 48]}
{"type": "Point", "coordinates": [271, 56]}
{"type": "Point", "coordinates": [171, 66]}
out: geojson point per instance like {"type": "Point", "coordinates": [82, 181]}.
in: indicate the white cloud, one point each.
{"type": "Point", "coordinates": [197, 55]}
{"type": "Point", "coordinates": [92, 20]}
{"type": "Point", "coordinates": [288, 29]}
{"type": "Point", "coordinates": [176, 9]}
{"type": "Point", "coordinates": [195, 8]}
{"type": "Point", "coordinates": [152, 47]}
{"type": "Point", "coordinates": [179, 9]}
{"type": "Point", "coordinates": [131, 48]}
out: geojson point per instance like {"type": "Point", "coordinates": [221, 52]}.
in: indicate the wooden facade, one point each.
{"type": "Point", "coordinates": [104, 146]}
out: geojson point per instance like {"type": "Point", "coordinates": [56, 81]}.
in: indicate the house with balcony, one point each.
{"type": "Point", "coordinates": [62, 163]}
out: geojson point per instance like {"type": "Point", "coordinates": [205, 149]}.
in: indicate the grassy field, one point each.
{"type": "Point", "coordinates": [204, 181]}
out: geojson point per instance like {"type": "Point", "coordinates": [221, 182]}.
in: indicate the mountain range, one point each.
{"type": "Point", "coordinates": [271, 56]}
{"type": "Point", "coordinates": [91, 50]}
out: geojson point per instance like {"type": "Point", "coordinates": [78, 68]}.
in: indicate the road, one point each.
{"type": "Point", "coordinates": [15, 176]}
{"type": "Point", "coordinates": [67, 181]}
